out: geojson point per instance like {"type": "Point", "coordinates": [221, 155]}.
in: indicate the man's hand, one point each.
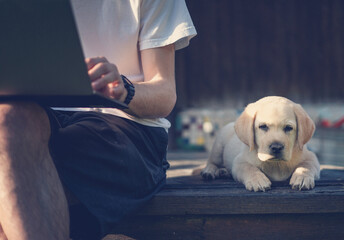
{"type": "Point", "coordinates": [105, 78]}
{"type": "Point", "coordinates": [155, 96]}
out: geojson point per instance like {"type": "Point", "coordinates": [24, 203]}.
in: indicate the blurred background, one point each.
{"type": "Point", "coordinates": [248, 49]}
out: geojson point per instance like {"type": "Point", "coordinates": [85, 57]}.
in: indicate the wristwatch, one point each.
{"type": "Point", "coordinates": [130, 89]}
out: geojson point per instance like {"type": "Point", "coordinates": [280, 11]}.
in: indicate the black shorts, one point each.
{"type": "Point", "coordinates": [110, 164]}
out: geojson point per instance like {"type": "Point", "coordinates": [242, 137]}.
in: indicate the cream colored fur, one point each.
{"type": "Point", "coordinates": [266, 143]}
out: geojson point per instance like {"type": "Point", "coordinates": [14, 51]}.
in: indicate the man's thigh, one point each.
{"type": "Point", "coordinates": [112, 165]}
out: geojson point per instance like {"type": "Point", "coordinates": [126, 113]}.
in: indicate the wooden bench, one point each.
{"type": "Point", "coordinates": [190, 208]}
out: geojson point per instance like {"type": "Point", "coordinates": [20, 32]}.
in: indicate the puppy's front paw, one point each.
{"type": "Point", "coordinates": [208, 173]}
{"type": "Point", "coordinates": [211, 172]}
{"type": "Point", "coordinates": [222, 173]}
{"type": "Point", "coordinates": [258, 182]}
{"type": "Point", "coordinates": [302, 181]}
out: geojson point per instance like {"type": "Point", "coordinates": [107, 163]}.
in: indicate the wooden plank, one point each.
{"type": "Point", "coordinates": [190, 208]}
{"type": "Point", "coordinates": [266, 226]}
{"type": "Point", "coordinates": [239, 203]}
{"type": "Point", "coordinates": [191, 195]}
{"type": "Point", "coordinates": [275, 227]}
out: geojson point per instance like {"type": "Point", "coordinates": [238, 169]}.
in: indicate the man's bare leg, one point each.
{"type": "Point", "coordinates": [2, 234]}
{"type": "Point", "coordinates": [32, 200]}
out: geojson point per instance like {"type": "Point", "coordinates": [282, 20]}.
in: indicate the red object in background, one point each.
{"type": "Point", "coordinates": [328, 124]}
{"type": "Point", "coordinates": [325, 123]}
{"type": "Point", "coordinates": [339, 123]}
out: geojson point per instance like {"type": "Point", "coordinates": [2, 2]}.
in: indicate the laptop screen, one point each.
{"type": "Point", "coordinates": [40, 49]}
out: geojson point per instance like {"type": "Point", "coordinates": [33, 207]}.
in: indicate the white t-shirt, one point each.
{"type": "Point", "coordinates": [120, 29]}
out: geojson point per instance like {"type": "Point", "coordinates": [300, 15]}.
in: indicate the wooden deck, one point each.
{"type": "Point", "coordinates": [190, 208]}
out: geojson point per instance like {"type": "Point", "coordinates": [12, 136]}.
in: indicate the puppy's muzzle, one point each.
{"type": "Point", "coordinates": [276, 149]}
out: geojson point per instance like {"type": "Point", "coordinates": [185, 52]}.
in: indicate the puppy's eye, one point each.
{"type": "Point", "coordinates": [288, 128]}
{"type": "Point", "coordinates": [264, 127]}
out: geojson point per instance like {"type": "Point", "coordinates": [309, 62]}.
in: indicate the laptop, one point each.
{"type": "Point", "coordinates": [41, 57]}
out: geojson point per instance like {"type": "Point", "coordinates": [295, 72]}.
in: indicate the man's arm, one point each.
{"type": "Point", "coordinates": [155, 97]}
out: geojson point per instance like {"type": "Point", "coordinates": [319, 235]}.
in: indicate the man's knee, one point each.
{"type": "Point", "coordinates": [24, 118]}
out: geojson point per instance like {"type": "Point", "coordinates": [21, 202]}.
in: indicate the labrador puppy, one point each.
{"type": "Point", "coordinates": [266, 143]}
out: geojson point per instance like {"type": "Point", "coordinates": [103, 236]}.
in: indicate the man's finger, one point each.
{"type": "Point", "coordinates": [101, 69]}
{"type": "Point", "coordinates": [91, 62]}
{"type": "Point", "coordinates": [118, 91]}
{"type": "Point", "coordinates": [103, 81]}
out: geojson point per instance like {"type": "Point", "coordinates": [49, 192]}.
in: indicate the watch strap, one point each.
{"type": "Point", "coordinates": [130, 89]}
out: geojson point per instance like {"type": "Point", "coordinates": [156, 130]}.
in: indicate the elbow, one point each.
{"type": "Point", "coordinates": [170, 103]}
{"type": "Point", "coordinates": [162, 107]}
{"type": "Point", "coordinates": [159, 108]}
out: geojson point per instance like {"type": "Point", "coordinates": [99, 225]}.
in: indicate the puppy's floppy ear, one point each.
{"type": "Point", "coordinates": [305, 126]}
{"type": "Point", "coordinates": [244, 126]}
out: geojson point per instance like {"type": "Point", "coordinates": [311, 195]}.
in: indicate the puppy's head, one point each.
{"type": "Point", "coordinates": [275, 127]}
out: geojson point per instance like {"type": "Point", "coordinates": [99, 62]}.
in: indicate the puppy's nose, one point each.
{"type": "Point", "coordinates": [276, 147]}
